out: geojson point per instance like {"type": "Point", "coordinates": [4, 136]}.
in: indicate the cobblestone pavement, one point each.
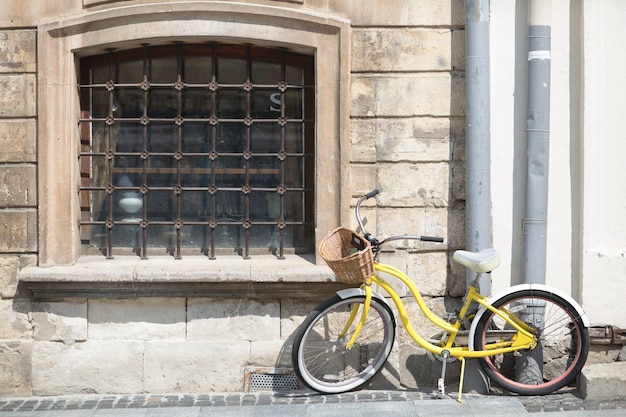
{"type": "Point", "coordinates": [563, 401]}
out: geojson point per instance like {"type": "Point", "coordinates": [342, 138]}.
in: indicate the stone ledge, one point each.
{"type": "Point", "coordinates": [226, 277]}
{"type": "Point", "coordinates": [603, 381]}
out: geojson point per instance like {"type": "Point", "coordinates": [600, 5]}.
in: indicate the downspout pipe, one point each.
{"type": "Point", "coordinates": [478, 155]}
{"type": "Point", "coordinates": [529, 365]}
{"type": "Point", "coordinates": [535, 219]}
{"type": "Point", "coordinates": [478, 133]}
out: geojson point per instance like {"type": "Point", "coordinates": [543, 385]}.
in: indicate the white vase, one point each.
{"type": "Point", "coordinates": [131, 202]}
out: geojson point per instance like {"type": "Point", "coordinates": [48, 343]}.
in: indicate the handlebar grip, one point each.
{"type": "Point", "coordinates": [371, 194]}
{"type": "Point", "coordinates": [431, 239]}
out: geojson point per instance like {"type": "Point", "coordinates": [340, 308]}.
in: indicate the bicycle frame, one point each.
{"type": "Point", "coordinates": [524, 338]}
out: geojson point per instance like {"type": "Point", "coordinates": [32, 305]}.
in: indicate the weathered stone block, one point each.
{"type": "Point", "coordinates": [401, 49]}
{"type": "Point", "coordinates": [414, 149]}
{"type": "Point", "coordinates": [15, 368]}
{"type": "Point", "coordinates": [400, 221]}
{"type": "Point", "coordinates": [413, 185]}
{"type": "Point", "coordinates": [18, 185]}
{"type": "Point", "coordinates": [18, 95]}
{"type": "Point", "coordinates": [18, 229]}
{"type": "Point", "coordinates": [404, 13]}
{"type": "Point", "coordinates": [429, 272]}
{"type": "Point", "coordinates": [605, 381]}
{"type": "Point", "coordinates": [362, 178]}
{"type": "Point", "coordinates": [271, 353]}
{"type": "Point", "coordinates": [140, 318]}
{"type": "Point", "coordinates": [18, 141]}
{"type": "Point", "coordinates": [64, 321]}
{"type": "Point", "coordinates": [9, 265]}
{"type": "Point", "coordinates": [95, 366]}
{"type": "Point", "coordinates": [293, 312]}
{"type": "Point", "coordinates": [232, 319]}
{"type": "Point", "coordinates": [422, 94]}
{"type": "Point", "coordinates": [18, 51]}
{"type": "Point", "coordinates": [363, 140]}
{"type": "Point", "coordinates": [14, 322]}
{"type": "Point", "coordinates": [198, 366]}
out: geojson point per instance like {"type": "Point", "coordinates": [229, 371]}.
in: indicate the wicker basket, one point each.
{"type": "Point", "coordinates": [349, 255]}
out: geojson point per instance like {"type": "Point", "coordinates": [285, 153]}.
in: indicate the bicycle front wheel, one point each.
{"type": "Point", "coordinates": [562, 343]}
{"type": "Point", "coordinates": [320, 357]}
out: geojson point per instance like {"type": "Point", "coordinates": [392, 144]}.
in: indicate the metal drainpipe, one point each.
{"type": "Point", "coordinates": [529, 367]}
{"type": "Point", "coordinates": [478, 159]}
{"type": "Point", "coordinates": [537, 143]}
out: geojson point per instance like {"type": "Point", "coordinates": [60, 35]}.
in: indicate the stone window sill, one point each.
{"type": "Point", "coordinates": [226, 277]}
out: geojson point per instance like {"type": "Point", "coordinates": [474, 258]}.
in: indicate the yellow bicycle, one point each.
{"type": "Point", "coordinates": [530, 339]}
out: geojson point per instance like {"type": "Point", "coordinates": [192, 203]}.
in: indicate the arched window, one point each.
{"type": "Point", "coordinates": [199, 148]}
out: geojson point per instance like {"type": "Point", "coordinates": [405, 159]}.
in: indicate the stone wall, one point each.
{"type": "Point", "coordinates": [18, 203]}
{"type": "Point", "coordinates": [406, 138]}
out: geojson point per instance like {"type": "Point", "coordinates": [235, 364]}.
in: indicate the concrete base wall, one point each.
{"type": "Point", "coordinates": [159, 345]}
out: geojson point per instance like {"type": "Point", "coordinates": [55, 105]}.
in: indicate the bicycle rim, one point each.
{"type": "Point", "coordinates": [561, 351]}
{"type": "Point", "coordinates": [321, 359]}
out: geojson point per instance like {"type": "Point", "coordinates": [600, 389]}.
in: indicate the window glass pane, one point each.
{"type": "Point", "coordinates": [230, 171]}
{"type": "Point", "coordinates": [100, 75]}
{"type": "Point", "coordinates": [160, 205]}
{"type": "Point", "coordinates": [293, 104]}
{"type": "Point", "coordinates": [162, 103]}
{"type": "Point", "coordinates": [230, 137]}
{"type": "Point", "coordinates": [231, 71]}
{"type": "Point", "coordinates": [265, 73]}
{"type": "Point", "coordinates": [228, 236]}
{"type": "Point", "coordinates": [293, 172]}
{"type": "Point", "coordinates": [129, 137]}
{"type": "Point", "coordinates": [197, 70]}
{"type": "Point", "coordinates": [265, 206]}
{"type": "Point", "coordinates": [231, 104]}
{"type": "Point", "coordinates": [203, 165]}
{"type": "Point", "coordinates": [130, 102]}
{"type": "Point", "coordinates": [294, 75]}
{"type": "Point", "coordinates": [265, 137]}
{"type": "Point", "coordinates": [195, 139]}
{"type": "Point", "coordinates": [265, 103]}
{"type": "Point", "coordinates": [130, 72]}
{"type": "Point", "coordinates": [163, 70]}
{"type": "Point", "coordinates": [100, 103]}
{"type": "Point", "coordinates": [193, 205]}
{"type": "Point", "coordinates": [229, 206]}
{"type": "Point", "coordinates": [265, 172]}
{"type": "Point", "coordinates": [293, 207]}
{"type": "Point", "coordinates": [196, 103]}
{"type": "Point", "coordinates": [294, 136]}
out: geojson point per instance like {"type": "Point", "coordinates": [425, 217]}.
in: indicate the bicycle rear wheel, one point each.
{"type": "Point", "coordinates": [561, 351]}
{"type": "Point", "coordinates": [319, 355]}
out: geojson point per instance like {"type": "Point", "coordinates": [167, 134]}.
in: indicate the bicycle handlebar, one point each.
{"type": "Point", "coordinates": [375, 241]}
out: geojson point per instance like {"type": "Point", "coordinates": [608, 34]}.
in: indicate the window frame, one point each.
{"type": "Point", "coordinates": [62, 43]}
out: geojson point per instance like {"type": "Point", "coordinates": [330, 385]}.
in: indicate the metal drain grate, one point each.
{"type": "Point", "coordinates": [270, 379]}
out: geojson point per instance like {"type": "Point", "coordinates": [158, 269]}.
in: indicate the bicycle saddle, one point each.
{"type": "Point", "coordinates": [484, 261]}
